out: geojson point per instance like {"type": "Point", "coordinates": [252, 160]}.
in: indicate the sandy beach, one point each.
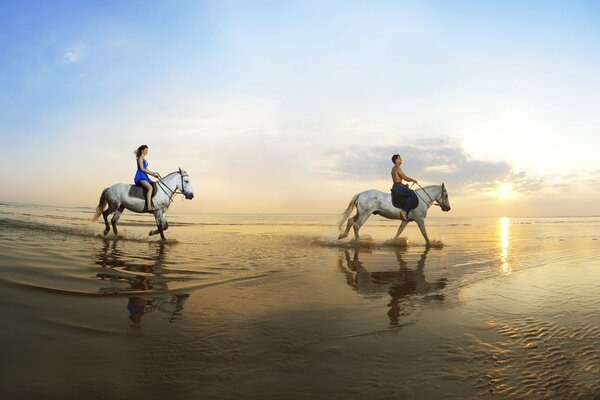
{"type": "Point", "coordinates": [251, 306]}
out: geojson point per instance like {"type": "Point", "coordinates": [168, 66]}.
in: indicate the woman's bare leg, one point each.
{"type": "Point", "coordinates": [148, 195]}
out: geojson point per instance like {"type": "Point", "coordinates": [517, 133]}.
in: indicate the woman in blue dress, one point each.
{"type": "Point", "coordinates": [141, 175]}
{"type": "Point", "coordinates": [397, 176]}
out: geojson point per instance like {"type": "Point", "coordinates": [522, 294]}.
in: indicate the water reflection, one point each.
{"type": "Point", "coordinates": [171, 305]}
{"type": "Point", "coordinates": [140, 272]}
{"type": "Point", "coordinates": [398, 278]}
{"type": "Point", "coordinates": [504, 236]}
{"type": "Point", "coordinates": [140, 269]}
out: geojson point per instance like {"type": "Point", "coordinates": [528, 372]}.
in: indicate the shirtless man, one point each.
{"type": "Point", "coordinates": [397, 176]}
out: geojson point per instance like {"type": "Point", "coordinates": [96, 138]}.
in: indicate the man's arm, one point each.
{"type": "Point", "coordinates": [406, 177]}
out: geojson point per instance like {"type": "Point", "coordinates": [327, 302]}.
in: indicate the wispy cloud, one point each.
{"type": "Point", "coordinates": [73, 54]}
{"type": "Point", "coordinates": [432, 160]}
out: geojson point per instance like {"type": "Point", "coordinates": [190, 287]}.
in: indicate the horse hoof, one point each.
{"type": "Point", "coordinates": [341, 236]}
{"type": "Point", "coordinates": [106, 232]}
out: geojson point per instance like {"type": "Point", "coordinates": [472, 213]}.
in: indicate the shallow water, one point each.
{"type": "Point", "coordinates": [275, 307]}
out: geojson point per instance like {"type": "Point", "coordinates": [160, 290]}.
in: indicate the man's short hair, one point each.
{"type": "Point", "coordinates": [394, 157]}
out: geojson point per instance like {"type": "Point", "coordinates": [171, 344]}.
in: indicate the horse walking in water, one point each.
{"type": "Point", "coordinates": [380, 203]}
{"type": "Point", "coordinates": [121, 196]}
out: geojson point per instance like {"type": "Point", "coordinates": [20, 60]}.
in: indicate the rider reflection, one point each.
{"type": "Point", "coordinates": [139, 276]}
{"type": "Point", "coordinates": [171, 305]}
{"type": "Point", "coordinates": [137, 308]}
{"type": "Point", "coordinates": [401, 283]}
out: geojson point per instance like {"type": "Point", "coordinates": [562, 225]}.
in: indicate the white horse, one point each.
{"type": "Point", "coordinates": [116, 198]}
{"type": "Point", "coordinates": [380, 203]}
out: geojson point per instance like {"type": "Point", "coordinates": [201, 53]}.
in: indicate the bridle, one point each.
{"type": "Point", "coordinates": [434, 202]}
{"type": "Point", "coordinates": [164, 186]}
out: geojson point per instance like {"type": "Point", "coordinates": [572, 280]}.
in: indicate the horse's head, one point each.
{"type": "Point", "coordinates": [185, 186]}
{"type": "Point", "coordinates": [442, 199]}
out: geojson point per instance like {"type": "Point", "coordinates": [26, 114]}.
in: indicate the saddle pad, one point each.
{"type": "Point", "coordinates": [398, 200]}
{"type": "Point", "coordinates": [140, 192]}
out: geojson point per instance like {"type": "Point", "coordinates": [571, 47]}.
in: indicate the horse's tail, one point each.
{"type": "Point", "coordinates": [101, 206]}
{"type": "Point", "coordinates": [346, 213]}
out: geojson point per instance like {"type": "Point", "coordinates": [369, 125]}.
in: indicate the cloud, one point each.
{"type": "Point", "coordinates": [432, 160]}
{"type": "Point", "coordinates": [73, 54]}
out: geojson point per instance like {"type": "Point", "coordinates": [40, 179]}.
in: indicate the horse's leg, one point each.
{"type": "Point", "coordinates": [362, 218]}
{"type": "Point", "coordinates": [158, 216]}
{"type": "Point", "coordinates": [161, 226]}
{"type": "Point", "coordinates": [115, 219]}
{"type": "Point", "coordinates": [351, 222]}
{"type": "Point", "coordinates": [400, 229]}
{"type": "Point", "coordinates": [105, 215]}
{"type": "Point", "coordinates": [421, 223]}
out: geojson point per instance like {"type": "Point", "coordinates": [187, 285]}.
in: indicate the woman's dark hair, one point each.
{"type": "Point", "coordinates": [394, 157]}
{"type": "Point", "coordinates": [139, 150]}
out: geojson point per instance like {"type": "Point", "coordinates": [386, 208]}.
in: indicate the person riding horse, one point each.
{"type": "Point", "coordinates": [397, 176]}
{"type": "Point", "coordinates": [141, 177]}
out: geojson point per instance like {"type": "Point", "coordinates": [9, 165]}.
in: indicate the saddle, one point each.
{"type": "Point", "coordinates": [140, 191]}
{"type": "Point", "coordinates": [399, 200]}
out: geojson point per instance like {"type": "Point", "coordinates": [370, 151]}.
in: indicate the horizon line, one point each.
{"type": "Point", "coordinates": [3, 202]}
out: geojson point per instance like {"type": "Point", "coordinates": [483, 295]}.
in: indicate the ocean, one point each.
{"type": "Point", "coordinates": [274, 307]}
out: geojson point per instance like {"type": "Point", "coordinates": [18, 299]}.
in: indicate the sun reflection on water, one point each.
{"type": "Point", "coordinates": [504, 233]}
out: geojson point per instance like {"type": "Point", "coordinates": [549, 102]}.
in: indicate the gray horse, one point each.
{"type": "Point", "coordinates": [375, 202]}
{"type": "Point", "coordinates": [121, 196]}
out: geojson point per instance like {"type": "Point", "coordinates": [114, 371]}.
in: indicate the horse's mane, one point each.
{"type": "Point", "coordinates": [428, 187]}
{"type": "Point", "coordinates": [166, 176]}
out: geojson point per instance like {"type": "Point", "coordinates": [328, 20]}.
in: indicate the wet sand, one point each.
{"type": "Point", "coordinates": [259, 307]}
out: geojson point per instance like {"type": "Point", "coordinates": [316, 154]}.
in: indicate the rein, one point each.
{"type": "Point", "coordinates": [432, 201]}
{"type": "Point", "coordinates": [163, 185]}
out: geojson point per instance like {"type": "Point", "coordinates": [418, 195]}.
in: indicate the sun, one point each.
{"type": "Point", "coordinates": [505, 190]}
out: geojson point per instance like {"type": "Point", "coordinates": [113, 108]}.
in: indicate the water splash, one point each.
{"type": "Point", "coordinates": [397, 242]}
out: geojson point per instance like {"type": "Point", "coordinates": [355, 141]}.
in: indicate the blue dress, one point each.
{"type": "Point", "coordinates": [411, 195]}
{"type": "Point", "coordinates": [141, 175]}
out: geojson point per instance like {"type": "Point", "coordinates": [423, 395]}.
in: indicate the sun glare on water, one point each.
{"type": "Point", "coordinates": [504, 244]}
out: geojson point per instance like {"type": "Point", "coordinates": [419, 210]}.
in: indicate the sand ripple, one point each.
{"type": "Point", "coordinates": [537, 359]}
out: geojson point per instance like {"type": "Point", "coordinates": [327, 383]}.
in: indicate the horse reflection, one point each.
{"type": "Point", "coordinates": [171, 305]}
{"type": "Point", "coordinates": [136, 272]}
{"type": "Point", "coordinates": [139, 273]}
{"type": "Point", "coordinates": [399, 281]}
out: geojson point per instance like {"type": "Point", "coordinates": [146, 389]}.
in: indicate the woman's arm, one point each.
{"type": "Point", "coordinates": [140, 161]}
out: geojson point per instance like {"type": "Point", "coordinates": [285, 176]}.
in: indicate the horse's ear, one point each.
{"type": "Point", "coordinates": [179, 169]}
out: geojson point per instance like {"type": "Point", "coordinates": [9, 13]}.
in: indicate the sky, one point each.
{"type": "Point", "coordinates": [295, 106]}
